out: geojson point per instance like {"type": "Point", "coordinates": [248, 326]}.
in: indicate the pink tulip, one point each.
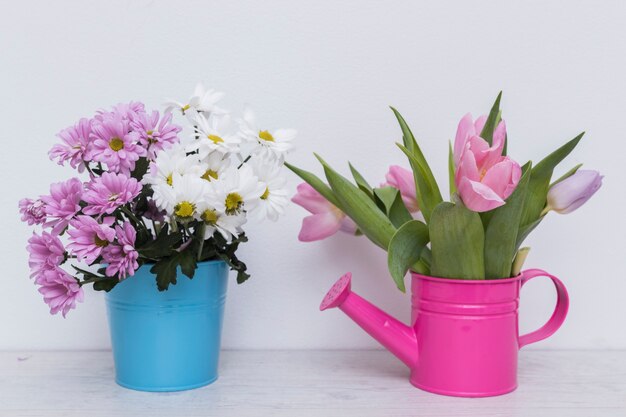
{"type": "Point", "coordinates": [567, 195]}
{"type": "Point", "coordinates": [402, 180]}
{"type": "Point", "coordinates": [484, 178]}
{"type": "Point", "coordinates": [326, 218]}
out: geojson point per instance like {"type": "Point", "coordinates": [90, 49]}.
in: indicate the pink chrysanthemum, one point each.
{"type": "Point", "coordinates": [127, 111]}
{"type": "Point", "coordinates": [108, 192]}
{"type": "Point", "coordinates": [74, 146]}
{"type": "Point", "coordinates": [122, 256]}
{"type": "Point", "coordinates": [46, 252]}
{"type": "Point", "coordinates": [60, 290]}
{"type": "Point", "coordinates": [114, 144]}
{"type": "Point", "coordinates": [32, 211]}
{"type": "Point", "coordinates": [155, 135]}
{"type": "Point", "coordinates": [88, 237]}
{"type": "Point", "coordinates": [62, 203]}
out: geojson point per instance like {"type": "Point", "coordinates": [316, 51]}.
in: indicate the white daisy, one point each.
{"type": "Point", "coordinates": [269, 143]}
{"type": "Point", "coordinates": [239, 190]}
{"type": "Point", "coordinates": [203, 100]}
{"type": "Point", "coordinates": [211, 135]}
{"type": "Point", "coordinates": [212, 213]}
{"type": "Point", "coordinates": [275, 198]}
{"type": "Point", "coordinates": [167, 163]}
{"type": "Point", "coordinates": [216, 164]}
{"type": "Point", "coordinates": [184, 197]}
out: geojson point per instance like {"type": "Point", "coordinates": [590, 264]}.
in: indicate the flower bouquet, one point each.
{"type": "Point", "coordinates": [150, 208]}
{"type": "Point", "coordinates": [465, 255]}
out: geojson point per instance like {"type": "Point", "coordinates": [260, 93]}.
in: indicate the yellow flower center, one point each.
{"type": "Point", "coordinates": [116, 144]}
{"type": "Point", "coordinates": [168, 180]}
{"type": "Point", "coordinates": [265, 135]}
{"type": "Point", "coordinates": [100, 242]}
{"type": "Point", "coordinates": [185, 108]}
{"type": "Point", "coordinates": [265, 194]}
{"type": "Point", "coordinates": [149, 132]}
{"type": "Point", "coordinates": [210, 217]}
{"type": "Point", "coordinates": [215, 139]}
{"type": "Point", "coordinates": [209, 174]}
{"type": "Point", "coordinates": [184, 209]}
{"type": "Point", "coordinates": [233, 203]}
{"type": "Point", "coordinates": [113, 197]}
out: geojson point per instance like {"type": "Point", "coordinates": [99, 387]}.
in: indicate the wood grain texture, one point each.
{"type": "Point", "coordinates": [309, 383]}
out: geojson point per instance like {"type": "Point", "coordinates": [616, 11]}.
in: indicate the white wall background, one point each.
{"type": "Point", "coordinates": [329, 69]}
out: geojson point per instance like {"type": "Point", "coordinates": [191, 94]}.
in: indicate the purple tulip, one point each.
{"type": "Point", "coordinates": [574, 191]}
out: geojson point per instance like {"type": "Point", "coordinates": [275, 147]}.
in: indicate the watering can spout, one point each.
{"type": "Point", "coordinates": [394, 335]}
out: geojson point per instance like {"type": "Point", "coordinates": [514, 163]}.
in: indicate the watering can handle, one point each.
{"type": "Point", "coordinates": [558, 316]}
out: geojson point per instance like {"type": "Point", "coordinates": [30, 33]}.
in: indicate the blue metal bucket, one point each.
{"type": "Point", "coordinates": [170, 340]}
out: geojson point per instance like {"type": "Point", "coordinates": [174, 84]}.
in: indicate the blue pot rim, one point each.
{"type": "Point", "coordinates": [199, 264]}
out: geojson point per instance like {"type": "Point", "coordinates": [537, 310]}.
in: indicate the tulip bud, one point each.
{"type": "Point", "coordinates": [574, 191]}
{"type": "Point", "coordinates": [402, 180]}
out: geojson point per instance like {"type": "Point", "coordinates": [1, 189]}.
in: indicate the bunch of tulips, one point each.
{"type": "Point", "coordinates": [495, 203]}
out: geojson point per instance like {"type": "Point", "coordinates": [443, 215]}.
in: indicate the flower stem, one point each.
{"type": "Point", "coordinates": [200, 234]}
{"type": "Point", "coordinates": [92, 280]}
{"type": "Point", "coordinates": [244, 161]}
{"type": "Point", "coordinates": [133, 217]}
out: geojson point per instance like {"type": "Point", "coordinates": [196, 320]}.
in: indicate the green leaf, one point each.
{"type": "Point", "coordinates": [106, 284]}
{"type": "Point", "coordinates": [427, 190]}
{"type": "Point", "coordinates": [188, 259]}
{"type": "Point", "coordinates": [566, 175]}
{"type": "Point", "coordinates": [405, 249]}
{"type": "Point", "coordinates": [391, 199]}
{"type": "Point", "coordinates": [141, 167]}
{"type": "Point", "coordinates": [316, 183]}
{"type": "Point", "coordinates": [501, 232]}
{"type": "Point", "coordinates": [492, 121]}
{"type": "Point", "coordinates": [539, 182]}
{"type": "Point", "coordinates": [165, 271]}
{"type": "Point", "coordinates": [361, 182]}
{"type": "Point", "coordinates": [426, 260]}
{"type": "Point", "coordinates": [163, 245]}
{"type": "Point", "coordinates": [457, 242]}
{"type": "Point", "coordinates": [360, 208]}
{"type": "Point", "coordinates": [525, 230]}
{"type": "Point", "coordinates": [451, 169]}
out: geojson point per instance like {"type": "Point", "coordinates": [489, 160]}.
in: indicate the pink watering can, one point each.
{"type": "Point", "coordinates": [464, 336]}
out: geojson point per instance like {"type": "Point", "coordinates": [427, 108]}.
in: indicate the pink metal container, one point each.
{"type": "Point", "coordinates": [464, 334]}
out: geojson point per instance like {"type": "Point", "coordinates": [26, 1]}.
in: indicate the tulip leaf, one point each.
{"type": "Point", "coordinates": [539, 182]}
{"type": "Point", "coordinates": [502, 229]}
{"type": "Point", "coordinates": [316, 183]}
{"type": "Point", "coordinates": [525, 230]}
{"type": "Point", "coordinates": [426, 259]}
{"type": "Point", "coordinates": [391, 199]}
{"type": "Point", "coordinates": [492, 121]}
{"type": "Point", "coordinates": [361, 182]}
{"type": "Point", "coordinates": [405, 250]}
{"type": "Point", "coordinates": [427, 190]}
{"type": "Point", "coordinates": [566, 175]}
{"type": "Point", "coordinates": [360, 208]}
{"type": "Point", "coordinates": [451, 169]}
{"type": "Point", "coordinates": [457, 242]}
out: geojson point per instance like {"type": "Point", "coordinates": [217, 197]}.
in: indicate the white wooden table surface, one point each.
{"type": "Point", "coordinates": [309, 383]}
